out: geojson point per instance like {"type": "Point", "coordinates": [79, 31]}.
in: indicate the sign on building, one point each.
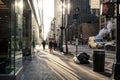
{"type": "Point", "coordinates": [2, 5]}
{"type": "Point", "coordinates": [95, 4]}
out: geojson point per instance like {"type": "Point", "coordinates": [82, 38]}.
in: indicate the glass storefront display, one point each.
{"type": "Point", "coordinates": [11, 23]}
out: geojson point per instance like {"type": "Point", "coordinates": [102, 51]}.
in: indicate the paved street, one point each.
{"type": "Point", "coordinates": [56, 66]}
{"type": "Point", "coordinates": [109, 55]}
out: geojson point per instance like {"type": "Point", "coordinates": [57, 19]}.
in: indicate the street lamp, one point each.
{"type": "Point", "coordinates": [54, 27]}
{"type": "Point", "coordinates": [66, 25]}
{"type": "Point", "coordinates": [76, 16]}
{"type": "Point", "coordinates": [33, 42]}
{"type": "Point", "coordinates": [58, 39]}
{"type": "Point", "coordinates": [62, 27]}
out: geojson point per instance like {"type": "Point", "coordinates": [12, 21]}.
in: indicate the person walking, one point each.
{"type": "Point", "coordinates": [43, 44]}
{"type": "Point", "coordinates": [55, 45]}
{"type": "Point", "coordinates": [50, 45]}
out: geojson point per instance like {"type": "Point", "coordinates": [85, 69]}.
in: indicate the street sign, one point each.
{"type": "Point", "coordinates": [95, 4]}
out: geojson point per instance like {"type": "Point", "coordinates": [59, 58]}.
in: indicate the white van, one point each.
{"type": "Point", "coordinates": [96, 42]}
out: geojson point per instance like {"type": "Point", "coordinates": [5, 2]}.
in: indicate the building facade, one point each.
{"type": "Point", "coordinates": [15, 36]}
{"type": "Point", "coordinates": [80, 12]}
{"type": "Point", "coordinates": [11, 20]}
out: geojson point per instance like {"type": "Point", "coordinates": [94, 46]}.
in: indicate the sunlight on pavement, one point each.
{"type": "Point", "coordinates": [37, 48]}
{"type": "Point", "coordinates": [60, 67]}
{"type": "Point", "coordinates": [63, 70]}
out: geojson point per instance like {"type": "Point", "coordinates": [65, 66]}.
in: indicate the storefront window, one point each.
{"type": "Point", "coordinates": [18, 34]}
{"type": "Point", "coordinates": [11, 22]}
{"type": "Point", "coordinates": [18, 43]}
{"type": "Point", "coordinates": [6, 57]}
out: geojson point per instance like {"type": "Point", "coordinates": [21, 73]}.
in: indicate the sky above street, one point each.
{"type": "Point", "coordinates": [48, 15]}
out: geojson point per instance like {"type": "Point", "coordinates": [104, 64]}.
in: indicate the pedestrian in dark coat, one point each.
{"type": "Point", "coordinates": [44, 43]}
{"type": "Point", "coordinates": [50, 45]}
{"type": "Point", "coordinates": [55, 45]}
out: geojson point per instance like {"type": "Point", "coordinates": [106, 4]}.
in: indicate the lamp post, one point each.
{"type": "Point", "coordinates": [57, 39]}
{"type": "Point", "coordinates": [62, 27]}
{"type": "Point", "coordinates": [33, 43]}
{"type": "Point", "coordinates": [117, 64]}
{"type": "Point", "coordinates": [76, 16]}
{"type": "Point", "coordinates": [54, 26]}
{"type": "Point", "coordinates": [66, 26]}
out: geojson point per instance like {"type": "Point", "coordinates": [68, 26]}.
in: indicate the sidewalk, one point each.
{"type": "Point", "coordinates": [38, 69]}
{"type": "Point", "coordinates": [108, 63]}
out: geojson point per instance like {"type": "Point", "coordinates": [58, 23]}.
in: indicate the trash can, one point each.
{"type": "Point", "coordinates": [98, 60]}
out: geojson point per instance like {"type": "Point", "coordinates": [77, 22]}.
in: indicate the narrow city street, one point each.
{"type": "Point", "coordinates": [83, 33]}
{"type": "Point", "coordinates": [57, 66]}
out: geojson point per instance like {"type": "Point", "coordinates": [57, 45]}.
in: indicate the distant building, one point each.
{"type": "Point", "coordinates": [80, 7]}
{"type": "Point", "coordinates": [84, 14]}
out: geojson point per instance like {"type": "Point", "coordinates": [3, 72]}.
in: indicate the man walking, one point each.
{"type": "Point", "coordinates": [43, 43]}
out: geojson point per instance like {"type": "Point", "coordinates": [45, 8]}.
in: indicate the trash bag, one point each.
{"type": "Point", "coordinates": [83, 57]}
